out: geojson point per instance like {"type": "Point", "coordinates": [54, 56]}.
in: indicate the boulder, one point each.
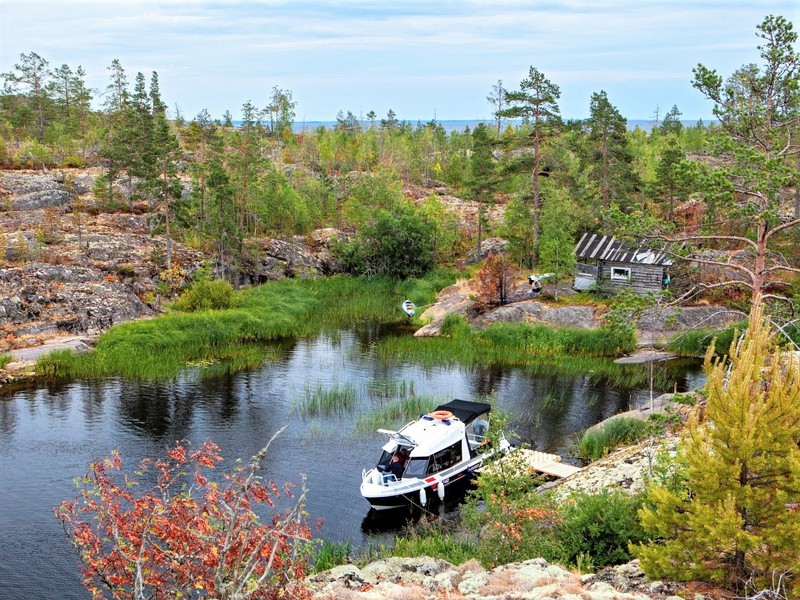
{"type": "Point", "coordinates": [494, 245]}
{"type": "Point", "coordinates": [276, 259]}
{"type": "Point", "coordinates": [454, 299]}
{"type": "Point", "coordinates": [531, 311]}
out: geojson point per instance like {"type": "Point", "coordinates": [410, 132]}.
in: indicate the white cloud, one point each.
{"type": "Point", "coordinates": [354, 52]}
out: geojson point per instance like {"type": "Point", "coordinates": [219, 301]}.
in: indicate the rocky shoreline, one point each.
{"type": "Point", "coordinates": [422, 578]}
{"type": "Point", "coordinates": [75, 268]}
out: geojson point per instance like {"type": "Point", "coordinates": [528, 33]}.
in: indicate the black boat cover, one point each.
{"type": "Point", "coordinates": [465, 410]}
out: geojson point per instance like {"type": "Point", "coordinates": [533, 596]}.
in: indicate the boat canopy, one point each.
{"type": "Point", "coordinates": [465, 410]}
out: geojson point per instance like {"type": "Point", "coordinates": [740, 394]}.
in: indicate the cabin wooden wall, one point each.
{"type": "Point", "coordinates": [644, 278]}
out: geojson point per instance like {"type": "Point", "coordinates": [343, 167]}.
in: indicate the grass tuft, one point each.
{"type": "Point", "coordinates": [617, 432]}
{"type": "Point", "coordinates": [328, 400]}
{"type": "Point", "coordinates": [396, 413]}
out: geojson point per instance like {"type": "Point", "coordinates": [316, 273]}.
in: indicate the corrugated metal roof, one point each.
{"type": "Point", "coordinates": [605, 247]}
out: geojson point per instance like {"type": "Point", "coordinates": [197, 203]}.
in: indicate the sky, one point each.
{"type": "Point", "coordinates": [432, 59]}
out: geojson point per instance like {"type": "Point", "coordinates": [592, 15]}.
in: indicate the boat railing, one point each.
{"type": "Point", "coordinates": [475, 440]}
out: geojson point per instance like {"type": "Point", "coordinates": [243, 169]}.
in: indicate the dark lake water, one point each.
{"type": "Point", "coordinates": [50, 432]}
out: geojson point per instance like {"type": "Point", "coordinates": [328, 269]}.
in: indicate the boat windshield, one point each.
{"type": "Point", "coordinates": [417, 467]}
{"type": "Point", "coordinates": [384, 460]}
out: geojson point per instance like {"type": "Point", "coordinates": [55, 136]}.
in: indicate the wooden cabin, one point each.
{"type": "Point", "coordinates": [607, 266]}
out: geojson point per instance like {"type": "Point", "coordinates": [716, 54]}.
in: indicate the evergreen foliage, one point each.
{"type": "Point", "coordinates": [734, 521]}
{"type": "Point", "coordinates": [598, 529]}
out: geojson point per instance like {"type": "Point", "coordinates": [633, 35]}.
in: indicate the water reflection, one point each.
{"type": "Point", "coordinates": [49, 432]}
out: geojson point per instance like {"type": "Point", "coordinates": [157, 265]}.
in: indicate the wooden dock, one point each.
{"type": "Point", "coordinates": [532, 460]}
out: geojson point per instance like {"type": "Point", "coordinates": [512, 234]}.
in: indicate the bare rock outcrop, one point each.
{"type": "Point", "coordinates": [276, 259]}
{"type": "Point", "coordinates": [494, 245]}
{"type": "Point", "coordinates": [41, 300]}
{"type": "Point", "coordinates": [30, 191]}
{"type": "Point", "coordinates": [424, 577]}
{"type": "Point", "coordinates": [454, 299]}
{"type": "Point", "coordinates": [532, 311]}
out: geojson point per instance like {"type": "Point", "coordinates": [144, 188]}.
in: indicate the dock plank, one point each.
{"type": "Point", "coordinates": [542, 462]}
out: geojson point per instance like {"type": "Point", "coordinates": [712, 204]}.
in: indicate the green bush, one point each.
{"type": "Point", "coordinates": [206, 294]}
{"type": "Point", "coordinates": [598, 442]}
{"type": "Point", "coordinates": [399, 244]}
{"type": "Point", "coordinates": [598, 528]}
{"type": "Point", "coordinates": [4, 360]}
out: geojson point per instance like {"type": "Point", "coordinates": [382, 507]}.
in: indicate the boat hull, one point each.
{"type": "Point", "coordinates": [411, 498]}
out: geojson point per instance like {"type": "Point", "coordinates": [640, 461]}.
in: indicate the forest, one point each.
{"type": "Point", "coordinates": [725, 191]}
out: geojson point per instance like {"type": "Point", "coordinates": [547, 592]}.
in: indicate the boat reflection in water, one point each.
{"type": "Point", "coordinates": [400, 520]}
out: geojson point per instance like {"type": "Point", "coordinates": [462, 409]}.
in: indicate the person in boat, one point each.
{"type": "Point", "coordinates": [398, 464]}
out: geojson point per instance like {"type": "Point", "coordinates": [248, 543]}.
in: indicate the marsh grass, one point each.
{"type": "Point", "coordinates": [536, 349]}
{"type": "Point", "coordinates": [159, 348]}
{"type": "Point", "coordinates": [511, 344]}
{"type": "Point", "coordinates": [5, 359]}
{"type": "Point", "coordinates": [390, 388]}
{"type": "Point", "coordinates": [323, 400]}
{"type": "Point", "coordinates": [617, 432]}
{"type": "Point", "coordinates": [695, 342]}
{"type": "Point", "coordinates": [396, 413]}
{"type": "Point", "coordinates": [431, 541]}
{"type": "Point", "coordinates": [332, 554]}
{"type": "Point", "coordinates": [552, 400]}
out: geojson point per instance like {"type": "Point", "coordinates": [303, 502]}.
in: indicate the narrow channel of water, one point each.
{"type": "Point", "coordinates": [50, 432]}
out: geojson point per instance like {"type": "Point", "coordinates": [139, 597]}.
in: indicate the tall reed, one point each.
{"type": "Point", "coordinates": [396, 413]}
{"type": "Point", "coordinates": [322, 400]}
{"type": "Point", "coordinates": [160, 347]}
{"type": "Point", "coordinates": [598, 442]}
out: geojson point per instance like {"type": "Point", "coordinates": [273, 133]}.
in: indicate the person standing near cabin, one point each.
{"type": "Point", "coordinates": [666, 280]}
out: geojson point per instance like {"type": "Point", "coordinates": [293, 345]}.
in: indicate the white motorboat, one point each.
{"type": "Point", "coordinates": [426, 456]}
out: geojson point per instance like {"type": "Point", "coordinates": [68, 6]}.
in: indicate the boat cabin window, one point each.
{"type": "Point", "coordinates": [445, 459]}
{"type": "Point", "coordinates": [416, 467]}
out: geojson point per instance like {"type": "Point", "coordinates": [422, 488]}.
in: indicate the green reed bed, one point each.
{"type": "Point", "coordinates": [396, 413]}
{"type": "Point", "coordinates": [695, 342]}
{"type": "Point", "coordinates": [390, 388]}
{"type": "Point", "coordinates": [507, 345]}
{"type": "Point", "coordinates": [237, 357]}
{"type": "Point", "coordinates": [514, 344]}
{"type": "Point", "coordinates": [161, 347]}
{"type": "Point", "coordinates": [331, 554]}
{"type": "Point", "coordinates": [620, 431]}
{"type": "Point", "coordinates": [455, 549]}
{"type": "Point", "coordinates": [323, 400]}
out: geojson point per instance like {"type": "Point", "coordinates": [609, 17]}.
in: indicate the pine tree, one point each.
{"type": "Point", "coordinates": [609, 155]}
{"type": "Point", "coordinates": [482, 174]}
{"type": "Point", "coordinates": [557, 243]}
{"type": "Point", "coordinates": [162, 178]}
{"type": "Point", "coordinates": [31, 78]}
{"type": "Point", "coordinates": [735, 519]}
{"type": "Point", "coordinates": [536, 102]}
